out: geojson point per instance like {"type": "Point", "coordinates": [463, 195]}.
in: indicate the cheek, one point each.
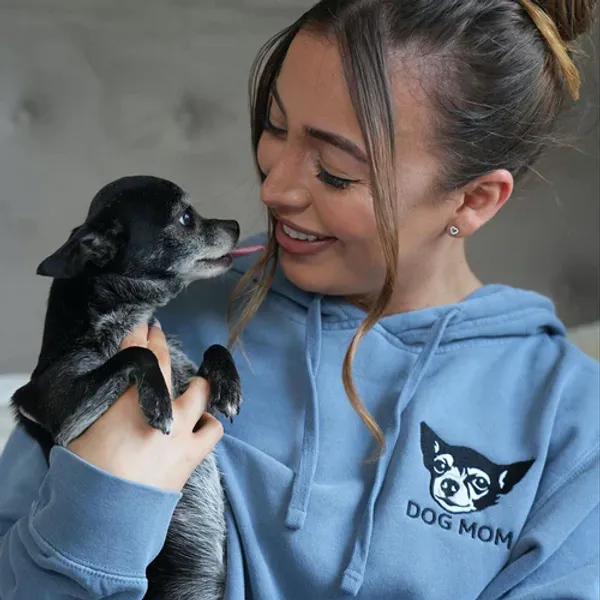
{"type": "Point", "coordinates": [352, 217]}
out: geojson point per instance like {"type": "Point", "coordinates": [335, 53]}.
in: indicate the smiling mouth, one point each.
{"type": "Point", "coordinates": [300, 243]}
{"type": "Point", "coordinates": [449, 502]}
{"type": "Point", "coordinates": [300, 235]}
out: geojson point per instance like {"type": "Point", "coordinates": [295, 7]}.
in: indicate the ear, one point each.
{"type": "Point", "coordinates": [84, 246]}
{"type": "Point", "coordinates": [430, 444]}
{"type": "Point", "coordinates": [510, 475]}
{"type": "Point", "coordinates": [481, 199]}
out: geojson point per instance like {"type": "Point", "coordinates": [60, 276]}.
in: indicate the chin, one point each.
{"type": "Point", "coordinates": [316, 279]}
{"type": "Point", "coordinates": [207, 272]}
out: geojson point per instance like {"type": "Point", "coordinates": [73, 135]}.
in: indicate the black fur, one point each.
{"type": "Point", "coordinates": [140, 245]}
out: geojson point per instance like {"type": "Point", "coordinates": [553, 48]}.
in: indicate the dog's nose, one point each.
{"type": "Point", "coordinates": [449, 487]}
{"type": "Point", "coordinates": [233, 227]}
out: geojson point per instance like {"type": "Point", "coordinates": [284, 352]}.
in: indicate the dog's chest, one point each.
{"type": "Point", "coordinates": [110, 328]}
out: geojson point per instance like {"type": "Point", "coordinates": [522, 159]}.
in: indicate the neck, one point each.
{"type": "Point", "coordinates": [113, 290]}
{"type": "Point", "coordinates": [427, 282]}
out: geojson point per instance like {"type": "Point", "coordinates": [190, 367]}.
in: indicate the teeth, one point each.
{"type": "Point", "coordinates": [298, 235]}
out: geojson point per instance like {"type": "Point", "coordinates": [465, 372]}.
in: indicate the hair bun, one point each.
{"type": "Point", "coordinates": [572, 17]}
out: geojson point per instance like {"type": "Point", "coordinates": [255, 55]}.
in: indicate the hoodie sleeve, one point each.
{"type": "Point", "coordinates": [557, 554]}
{"type": "Point", "coordinates": [71, 530]}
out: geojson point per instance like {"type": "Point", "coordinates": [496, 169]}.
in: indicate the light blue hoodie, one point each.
{"type": "Point", "coordinates": [488, 486]}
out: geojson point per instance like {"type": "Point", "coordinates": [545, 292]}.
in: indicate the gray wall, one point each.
{"type": "Point", "coordinates": [94, 89]}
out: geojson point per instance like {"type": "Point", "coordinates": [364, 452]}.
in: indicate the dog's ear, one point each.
{"type": "Point", "coordinates": [84, 246]}
{"type": "Point", "coordinates": [510, 475]}
{"type": "Point", "coordinates": [431, 444]}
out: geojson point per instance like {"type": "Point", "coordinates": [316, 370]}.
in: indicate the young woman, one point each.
{"type": "Point", "coordinates": [407, 432]}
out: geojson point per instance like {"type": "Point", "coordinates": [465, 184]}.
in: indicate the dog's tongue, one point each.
{"type": "Point", "coordinates": [245, 250]}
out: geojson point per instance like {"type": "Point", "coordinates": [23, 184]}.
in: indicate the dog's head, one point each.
{"type": "Point", "coordinates": [463, 480]}
{"type": "Point", "coordinates": [143, 226]}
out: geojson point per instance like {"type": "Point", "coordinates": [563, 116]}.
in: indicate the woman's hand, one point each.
{"type": "Point", "coordinates": [123, 444]}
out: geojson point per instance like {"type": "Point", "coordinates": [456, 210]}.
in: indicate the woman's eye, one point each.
{"type": "Point", "coordinates": [187, 218]}
{"type": "Point", "coordinates": [338, 183]}
{"type": "Point", "coordinates": [272, 128]}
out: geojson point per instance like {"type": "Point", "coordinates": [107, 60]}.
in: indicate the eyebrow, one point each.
{"type": "Point", "coordinates": [328, 137]}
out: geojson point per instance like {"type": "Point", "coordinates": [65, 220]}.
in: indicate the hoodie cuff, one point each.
{"type": "Point", "coordinates": [100, 521]}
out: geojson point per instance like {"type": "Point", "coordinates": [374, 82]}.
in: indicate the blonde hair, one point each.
{"type": "Point", "coordinates": [559, 48]}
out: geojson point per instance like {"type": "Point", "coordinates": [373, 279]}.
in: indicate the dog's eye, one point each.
{"type": "Point", "coordinates": [440, 466]}
{"type": "Point", "coordinates": [187, 218]}
{"type": "Point", "coordinates": [480, 484]}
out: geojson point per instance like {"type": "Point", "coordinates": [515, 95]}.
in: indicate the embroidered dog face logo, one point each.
{"type": "Point", "coordinates": [462, 480]}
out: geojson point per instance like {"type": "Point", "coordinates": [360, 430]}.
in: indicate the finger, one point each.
{"type": "Point", "coordinates": [138, 337]}
{"type": "Point", "coordinates": [209, 432]}
{"type": "Point", "coordinates": [191, 405]}
{"type": "Point", "coordinates": [157, 342]}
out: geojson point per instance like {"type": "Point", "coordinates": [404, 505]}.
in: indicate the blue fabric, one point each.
{"type": "Point", "coordinates": [487, 487]}
{"type": "Point", "coordinates": [72, 530]}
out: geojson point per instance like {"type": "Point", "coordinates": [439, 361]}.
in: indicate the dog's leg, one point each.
{"type": "Point", "coordinates": [91, 395]}
{"type": "Point", "coordinates": [219, 369]}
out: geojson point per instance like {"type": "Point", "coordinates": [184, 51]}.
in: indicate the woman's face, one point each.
{"type": "Point", "coordinates": [317, 178]}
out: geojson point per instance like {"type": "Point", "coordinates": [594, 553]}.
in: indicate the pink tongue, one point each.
{"type": "Point", "coordinates": [247, 250]}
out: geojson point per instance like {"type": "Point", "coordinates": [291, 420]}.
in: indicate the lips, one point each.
{"type": "Point", "coordinates": [449, 502]}
{"type": "Point", "coordinates": [300, 243]}
{"type": "Point", "coordinates": [297, 234]}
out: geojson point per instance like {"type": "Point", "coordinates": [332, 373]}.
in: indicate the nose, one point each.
{"type": "Point", "coordinates": [449, 487]}
{"type": "Point", "coordinates": [283, 186]}
{"type": "Point", "coordinates": [232, 227]}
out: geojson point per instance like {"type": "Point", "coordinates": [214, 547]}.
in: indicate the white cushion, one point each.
{"type": "Point", "coordinates": [8, 385]}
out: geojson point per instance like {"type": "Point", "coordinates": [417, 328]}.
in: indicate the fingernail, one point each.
{"type": "Point", "coordinates": [157, 324]}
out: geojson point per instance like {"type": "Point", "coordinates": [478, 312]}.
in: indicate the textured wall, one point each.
{"type": "Point", "coordinates": [94, 89]}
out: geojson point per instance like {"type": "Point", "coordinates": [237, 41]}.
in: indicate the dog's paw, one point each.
{"type": "Point", "coordinates": [155, 402]}
{"type": "Point", "coordinates": [218, 368]}
{"type": "Point", "coordinates": [226, 397]}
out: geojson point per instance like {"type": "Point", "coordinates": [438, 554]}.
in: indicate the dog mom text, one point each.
{"type": "Point", "coordinates": [464, 527]}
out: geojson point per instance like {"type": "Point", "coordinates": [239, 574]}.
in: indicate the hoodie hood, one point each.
{"type": "Point", "coordinates": [493, 311]}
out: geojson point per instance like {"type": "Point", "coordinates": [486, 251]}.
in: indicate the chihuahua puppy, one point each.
{"type": "Point", "coordinates": [141, 244]}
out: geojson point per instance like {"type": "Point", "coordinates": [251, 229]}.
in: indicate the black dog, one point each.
{"type": "Point", "coordinates": [141, 244]}
{"type": "Point", "coordinates": [463, 480]}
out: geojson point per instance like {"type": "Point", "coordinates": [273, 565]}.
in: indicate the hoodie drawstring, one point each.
{"type": "Point", "coordinates": [301, 489]}
{"type": "Point", "coordinates": [352, 579]}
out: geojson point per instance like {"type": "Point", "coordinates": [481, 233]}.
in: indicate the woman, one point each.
{"type": "Point", "coordinates": [407, 431]}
